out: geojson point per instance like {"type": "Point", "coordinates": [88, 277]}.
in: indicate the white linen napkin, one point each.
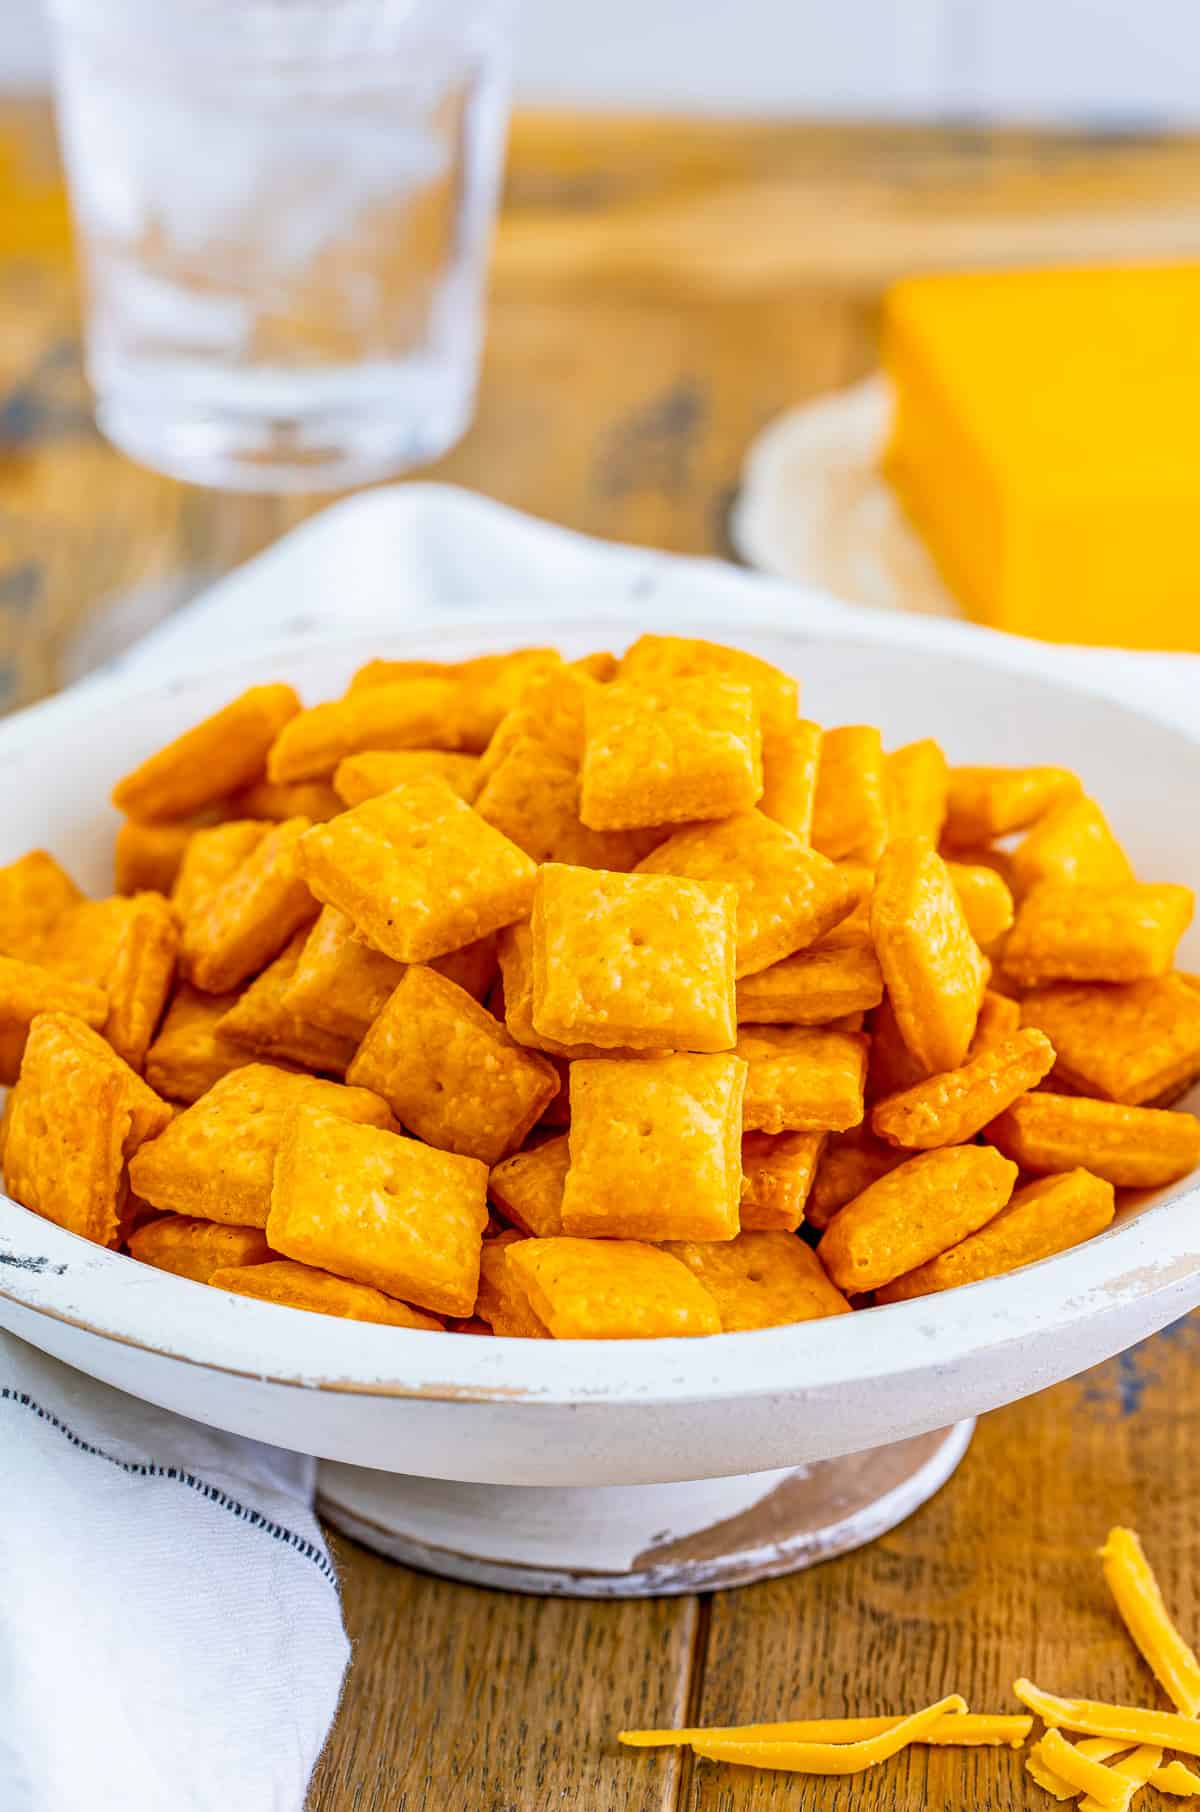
{"type": "Point", "coordinates": [170, 1634]}
{"type": "Point", "coordinates": [414, 553]}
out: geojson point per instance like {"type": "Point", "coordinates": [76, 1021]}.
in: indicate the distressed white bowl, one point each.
{"type": "Point", "coordinates": [532, 1412]}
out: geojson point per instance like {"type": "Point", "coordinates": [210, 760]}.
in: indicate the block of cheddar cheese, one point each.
{"type": "Point", "coordinates": [1044, 445]}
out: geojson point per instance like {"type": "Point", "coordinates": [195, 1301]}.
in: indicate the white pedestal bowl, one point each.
{"type": "Point", "coordinates": [761, 1415]}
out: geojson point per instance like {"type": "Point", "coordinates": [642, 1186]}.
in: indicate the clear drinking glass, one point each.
{"type": "Point", "coordinates": [283, 209]}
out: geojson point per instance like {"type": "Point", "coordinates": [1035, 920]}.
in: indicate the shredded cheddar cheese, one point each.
{"type": "Point", "coordinates": [965, 1729]}
{"type": "Point", "coordinates": [1115, 1750]}
{"type": "Point", "coordinates": [1135, 1724]}
{"type": "Point", "coordinates": [1135, 1770]}
{"type": "Point", "coordinates": [1102, 1784]}
{"type": "Point", "coordinates": [1099, 1749]}
{"type": "Point", "coordinates": [1038, 1769]}
{"type": "Point", "coordinates": [1176, 1779]}
{"type": "Point", "coordinates": [1139, 1600]}
{"type": "Point", "coordinates": [830, 1758]}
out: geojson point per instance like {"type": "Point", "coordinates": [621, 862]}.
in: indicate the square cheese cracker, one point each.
{"type": "Point", "coordinates": [528, 1187]}
{"type": "Point", "coordinates": [839, 974]}
{"type": "Point", "coordinates": [26, 989]}
{"type": "Point", "coordinates": [778, 1170]}
{"type": "Point", "coordinates": [264, 1023]}
{"type": "Point", "coordinates": [340, 984]}
{"type": "Point", "coordinates": [532, 795]}
{"type": "Point", "coordinates": [35, 892]}
{"type": "Point", "coordinates": [514, 950]}
{"type": "Point", "coordinates": [850, 821]}
{"type": "Point", "coordinates": [149, 856]}
{"type": "Point", "coordinates": [762, 1280]}
{"type": "Point", "coordinates": [502, 1302]}
{"type": "Point", "coordinates": [128, 947]}
{"type": "Point", "coordinates": [693, 751]}
{"type": "Point", "coordinates": [932, 967]}
{"type": "Point", "coordinates": [791, 759]}
{"type": "Point", "coordinates": [385, 1210]}
{"type": "Point", "coordinates": [802, 1079]}
{"type": "Point", "coordinates": [988, 802]}
{"type": "Point", "coordinates": [641, 961]}
{"type": "Point", "coordinates": [787, 895]}
{"type": "Point", "coordinates": [915, 781]}
{"type": "Point", "coordinates": [1067, 932]}
{"type": "Point", "coordinates": [1043, 1218]}
{"type": "Point", "coordinates": [376, 771]}
{"type": "Point", "coordinates": [614, 1289]}
{"type": "Point", "coordinates": [658, 662]}
{"type": "Point", "coordinates": [226, 751]}
{"type": "Point", "coordinates": [655, 1148]}
{"type": "Point", "coordinates": [410, 714]}
{"type": "Point", "coordinates": [449, 1070]}
{"type": "Point", "coordinates": [76, 1116]}
{"type": "Point", "coordinates": [417, 872]}
{"type": "Point", "coordinates": [294, 1286]}
{"type": "Point", "coordinates": [215, 1160]}
{"type": "Point", "coordinates": [1137, 1042]}
{"type": "Point", "coordinates": [916, 1211]}
{"type": "Point", "coordinates": [249, 918]}
{"type": "Point", "coordinates": [190, 1052]}
{"type": "Point", "coordinates": [1130, 1147]}
{"type": "Point", "coordinates": [195, 1249]}
{"type": "Point", "coordinates": [214, 853]}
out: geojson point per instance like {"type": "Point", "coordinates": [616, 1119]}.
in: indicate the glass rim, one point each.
{"type": "Point", "coordinates": [223, 32]}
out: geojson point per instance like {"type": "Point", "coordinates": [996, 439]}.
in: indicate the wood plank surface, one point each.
{"type": "Point", "coordinates": [460, 1697]}
{"type": "Point", "coordinates": [660, 291]}
{"type": "Point", "coordinates": [996, 1576]}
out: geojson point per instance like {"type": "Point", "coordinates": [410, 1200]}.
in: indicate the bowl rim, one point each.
{"type": "Point", "coordinates": [51, 1272]}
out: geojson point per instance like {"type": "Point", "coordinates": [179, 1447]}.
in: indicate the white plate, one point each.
{"type": "Point", "coordinates": [531, 1412]}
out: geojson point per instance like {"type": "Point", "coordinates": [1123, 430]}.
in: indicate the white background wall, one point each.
{"type": "Point", "coordinates": [1124, 62]}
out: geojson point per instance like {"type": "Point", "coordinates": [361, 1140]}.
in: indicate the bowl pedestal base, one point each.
{"type": "Point", "coordinates": [639, 1541]}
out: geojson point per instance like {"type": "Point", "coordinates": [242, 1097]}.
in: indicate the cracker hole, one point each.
{"type": "Point", "coordinates": [637, 939]}
{"type": "Point", "coordinates": [754, 1277]}
{"type": "Point", "coordinates": [646, 1128]}
{"type": "Point", "coordinates": [420, 841]}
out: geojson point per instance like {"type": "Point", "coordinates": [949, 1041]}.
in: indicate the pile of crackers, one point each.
{"type": "Point", "coordinates": [605, 998]}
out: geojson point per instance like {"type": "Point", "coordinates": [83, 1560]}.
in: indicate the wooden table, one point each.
{"type": "Point", "coordinates": [662, 290]}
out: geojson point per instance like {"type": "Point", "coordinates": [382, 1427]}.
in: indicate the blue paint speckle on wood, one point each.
{"type": "Point", "coordinates": [49, 402]}
{"type": "Point", "coordinates": [20, 587]}
{"type": "Point", "coordinates": [653, 447]}
{"type": "Point", "coordinates": [1118, 1388]}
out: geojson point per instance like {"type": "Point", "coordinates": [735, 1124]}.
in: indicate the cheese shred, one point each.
{"type": "Point", "coordinates": [1176, 1779]}
{"type": "Point", "coordinates": [1098, 1748]}
{"type": "Point", "coordinates": [1134, 1724]}
{"type": "Point", "coordinates": [959, 1729]}
{"type": "Point", "coordinates": [829, 1758]}
{"type": "Point", "coordinates": [1103, 1785]}
{"type": "Point", "coordinates": [1118, 1749]}
{"type": "Point", "coordinates": [1132, 1583]}
{"type": "Point", "coordinates": [1135, 1770]}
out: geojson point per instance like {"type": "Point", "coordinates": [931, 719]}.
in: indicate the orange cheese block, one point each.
{"type": "Point", "coordinates": [1044, 445]}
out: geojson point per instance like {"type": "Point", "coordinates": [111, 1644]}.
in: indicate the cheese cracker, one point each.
{"type": "Point", "coordinates": [655, 1148]}
{"type": "Point", "coordinates": [76, 1116]}
{"type": "Point", "coordinates": [387, 1211]}
{"type": "Point", "coordinates": [417, 872]}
